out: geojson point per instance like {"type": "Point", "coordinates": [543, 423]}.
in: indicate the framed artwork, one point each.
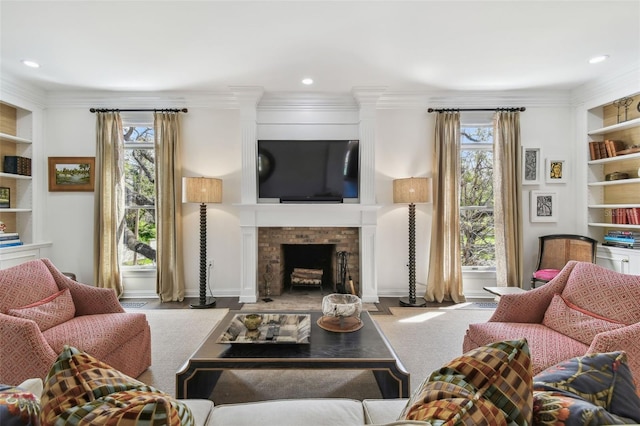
{"type": "Point", "coordinates": [556, 171]}
{"type": "Point", "coordinates": [72, 173]}
{"type": "Point", "coordinates": [544, 206]}
{"type": "Point", "coordinates": [531, 160]}
{"type": "Point", "coordinates": [5, 197]}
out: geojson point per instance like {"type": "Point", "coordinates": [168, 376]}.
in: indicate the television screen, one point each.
{"type": "Point", "coordinates": [308, 170]}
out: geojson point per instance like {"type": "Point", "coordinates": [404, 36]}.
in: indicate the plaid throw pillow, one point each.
{"type": "Point", "coordinates": [81, 389]}
{"type": "Point", "coordinates": [488, 385]}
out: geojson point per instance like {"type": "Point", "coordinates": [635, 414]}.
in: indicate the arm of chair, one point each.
{"type": "Point", "coordinates": [24, 352]}
{"type": "Point", "coordinates": [87, 299]}
{"type": "Point", "coordinates": [622, 339]}
{"type": "Point", "coordinates": [530, 307]}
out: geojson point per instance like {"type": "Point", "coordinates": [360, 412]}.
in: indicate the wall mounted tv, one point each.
{"type": "Point", "coordinates": [308, 170]}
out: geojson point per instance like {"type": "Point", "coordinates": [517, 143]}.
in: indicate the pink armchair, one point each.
{"type": "Point", "coordinates": [585, 309]}
{"type": "Point", "coordinates": [38, 316]}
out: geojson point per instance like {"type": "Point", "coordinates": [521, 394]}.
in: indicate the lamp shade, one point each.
{"type": "Point", "coordinates": [412, 190]}
{"type": "Point", "coordinates": [201, 190]}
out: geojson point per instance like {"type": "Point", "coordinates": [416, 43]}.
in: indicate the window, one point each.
{"type": "Point", "coordinates": [138, 246]}
{"type": "Point", "coordinates": [477, 239]}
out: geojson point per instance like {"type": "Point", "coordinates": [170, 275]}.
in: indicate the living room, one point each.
{"type": "Point", "coordinates": [392, 119]}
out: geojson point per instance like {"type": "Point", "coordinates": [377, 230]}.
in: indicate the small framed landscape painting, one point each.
{"type": "Point", "coordinates": [5, 197]}
{"type": "Point", "coordinates": [544, 206]}
{"type": "Point", "coordinates": [531, 159]}
{"type": "Point", "coordinates": [72, 173]}
{"type": "Point", "coordinates": [556, 171]}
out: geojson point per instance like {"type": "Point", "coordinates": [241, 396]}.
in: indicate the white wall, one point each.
{"type": "Point", "coordinates": [212, 147]}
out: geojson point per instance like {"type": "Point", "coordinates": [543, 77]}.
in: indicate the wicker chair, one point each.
{"type": "Point", "coordinates": [556, 250]}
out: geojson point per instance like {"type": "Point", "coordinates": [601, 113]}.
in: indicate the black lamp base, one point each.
{"type": "Point", "coordinates": [419, 302]}
{"type": "Point", "coordinates": [210, 302]}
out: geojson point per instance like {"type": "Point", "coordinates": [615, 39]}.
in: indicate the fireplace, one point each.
{"type": "Point", "coordinates": [280, 249]}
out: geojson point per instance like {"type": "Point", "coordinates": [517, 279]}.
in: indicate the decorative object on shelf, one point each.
{"type": "Point", "coordinates": [556, 171]}
{"type": "Point", "coordinates": [3, 227]}
{"type": "Point", "coordinates": [543, 206]}
{"type": "Point", "coordinates": [202, 190]}
{"type": "Point", "coordinates": [623, 103]}
{"type": "Point", "coordinates": [531, 159]}
{"type": "Point", "coordinates": [72, 173]}
{"type": "Point", "coordinates": [341, 313]}
{"type": "Point", "coordinates": [5, 197]}
{"type": "Point", "coordinates": [616, 176]}
{"type": "Point", "coordinates": [412, 190]}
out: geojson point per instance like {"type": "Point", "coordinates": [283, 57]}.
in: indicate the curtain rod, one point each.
{"type": "Point", "coordinates": [138, 110]}
{"type": "Point", "coordinates": [475, 109]}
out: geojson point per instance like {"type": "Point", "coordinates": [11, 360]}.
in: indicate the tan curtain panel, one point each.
{"type": "Point", "coordinates": [170, 269]}
{"type": "Point", "coordinates": [507, 198]}
{"type": "Point", "coordinates": [445, 271]}
{"type": "Point", "coordinates": [109, 200]}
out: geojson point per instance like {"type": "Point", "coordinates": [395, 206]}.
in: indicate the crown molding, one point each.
{"type": "Point", "coordinates": [601, 91]}
{"type": "Point", "coordinates": [123, 100]}
{"type": "Point", "coordinates": [11, 87]}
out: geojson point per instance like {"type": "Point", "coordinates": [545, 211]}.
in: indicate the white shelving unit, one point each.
{"type": "Point", "coordinates": [605, 196]}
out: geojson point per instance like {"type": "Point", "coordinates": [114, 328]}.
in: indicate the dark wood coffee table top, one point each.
{"type": "Point", "coordinates": [366, 349]}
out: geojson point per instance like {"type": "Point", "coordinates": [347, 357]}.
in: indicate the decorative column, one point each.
{"type": "Point", "coordinates": [248, 98]}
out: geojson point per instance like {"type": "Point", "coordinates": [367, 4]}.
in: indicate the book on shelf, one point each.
{"type": "Point", "coordinates": [626, 216]}
{"type": "Point", "coordinates": [623, 233]}
{"type": "Point", "coordinates": [620, 239]}
{"type": "Point", "coordinates": [10, 243]}
{"type": "Point", "coordinates": [9, 236]}
{"type": "Point", "coordinates": [17, 165]}
{"type": "Point", "coordinates": [613, 146]}
{"type": "Point", "coordinates": [622, 245]}
{"type": "Point", "coordinates": [606, 149]}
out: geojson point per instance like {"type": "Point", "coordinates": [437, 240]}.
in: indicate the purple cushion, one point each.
{"type": "Point", "coordinates": [546, 274]}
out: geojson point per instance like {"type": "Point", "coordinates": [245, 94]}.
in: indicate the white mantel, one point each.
{"type": "Point", "coordinates": [344, 119]}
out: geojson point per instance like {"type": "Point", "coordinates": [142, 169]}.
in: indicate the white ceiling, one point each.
{"type": "Point", "coordinates": [402, 45]}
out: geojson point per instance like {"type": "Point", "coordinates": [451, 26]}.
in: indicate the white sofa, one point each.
{"type": "Point", "coordinates": [295, 412]}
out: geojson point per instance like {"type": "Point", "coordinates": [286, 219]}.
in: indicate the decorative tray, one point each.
{"type": "Point", "coordinates": [272, 329]}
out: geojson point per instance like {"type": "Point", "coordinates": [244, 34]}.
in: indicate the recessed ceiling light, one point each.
{"type": "Point", "coordinates": [307, 81]}
{"type": "Point", "coordinates": [598, 59]}
{"type": "Point", "coordinates": [31, 64]}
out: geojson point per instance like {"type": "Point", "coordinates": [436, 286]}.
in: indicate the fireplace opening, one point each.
{"type": "Point", "coordinates": [312, 258]}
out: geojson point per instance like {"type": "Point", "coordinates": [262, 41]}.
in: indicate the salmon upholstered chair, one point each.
{"type": "Point", "coordinates": [42, 310]}
{"type": "Point", "coordinates": [585, 309]}
{"type": "Point", "coordinates": [554, 251]}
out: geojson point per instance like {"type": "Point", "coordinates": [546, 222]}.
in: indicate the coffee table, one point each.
{"type": "Point", "coordinates": [364, 349]}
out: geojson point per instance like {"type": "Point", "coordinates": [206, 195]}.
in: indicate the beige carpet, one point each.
{"type": "Point", "coordinates": [423, 338]}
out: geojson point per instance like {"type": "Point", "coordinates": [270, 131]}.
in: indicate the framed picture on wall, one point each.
{"type": "Point", "coordinates": [72, 173]}
{"type": "Point", "coordinates": [531, 160]}
{"type": "Point", "coordinates": [544, 206]}
{"type": "Point", "coordinates": [556, 171]}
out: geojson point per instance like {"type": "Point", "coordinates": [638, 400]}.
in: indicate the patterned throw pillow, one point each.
{"type": "Point", "coordinates": [575, 322]}
{"type": "Point", "coordinates": [81, 388]}
{"type": "Point", "coordinates": [49, 312]}
{"type": "Point", "coordinates": [487, 385]}
{"type": "Point", "coordinates": [591, 389]}
{"type": "Point", "coordinates": [18, 407]}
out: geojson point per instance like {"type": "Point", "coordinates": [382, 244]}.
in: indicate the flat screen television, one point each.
{"type": "Point", "coordinates": [308, 170]}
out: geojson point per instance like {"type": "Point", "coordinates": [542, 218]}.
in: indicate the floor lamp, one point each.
{"type": "Point", "coordinates": [411, 191]}
{"type": "Point", "coordinates": [202, 190]}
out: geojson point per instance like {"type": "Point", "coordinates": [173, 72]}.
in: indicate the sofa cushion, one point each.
{"type": "Point", "coordinates": [575, 322]}
{"type": "Point", "coordinates": [96, 334]}
{"type": "Point", "coordinates": [547, 346]}
{"type": "Point", "coordinates": [591, 389]}
{"type": "Point", "coordinates": [48, 312]}
{"type": "Point", "coordinates": [607, 293]}
{"type": "Point", "coordinates": [25, 284]}
{"type": "Point", "coordinates": [487, 385]}
{"type": "Point", "coordinates": [308, 412]}
{"type": "Point", "coordinates": [18, 406]}
{"type": "Point", "coordinates": [81, 388]}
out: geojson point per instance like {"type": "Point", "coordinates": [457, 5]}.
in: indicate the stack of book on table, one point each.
{"type": "Point", "coordinates": [624, 239]}
{"type": "Point", "coordinates": [10, 239]}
